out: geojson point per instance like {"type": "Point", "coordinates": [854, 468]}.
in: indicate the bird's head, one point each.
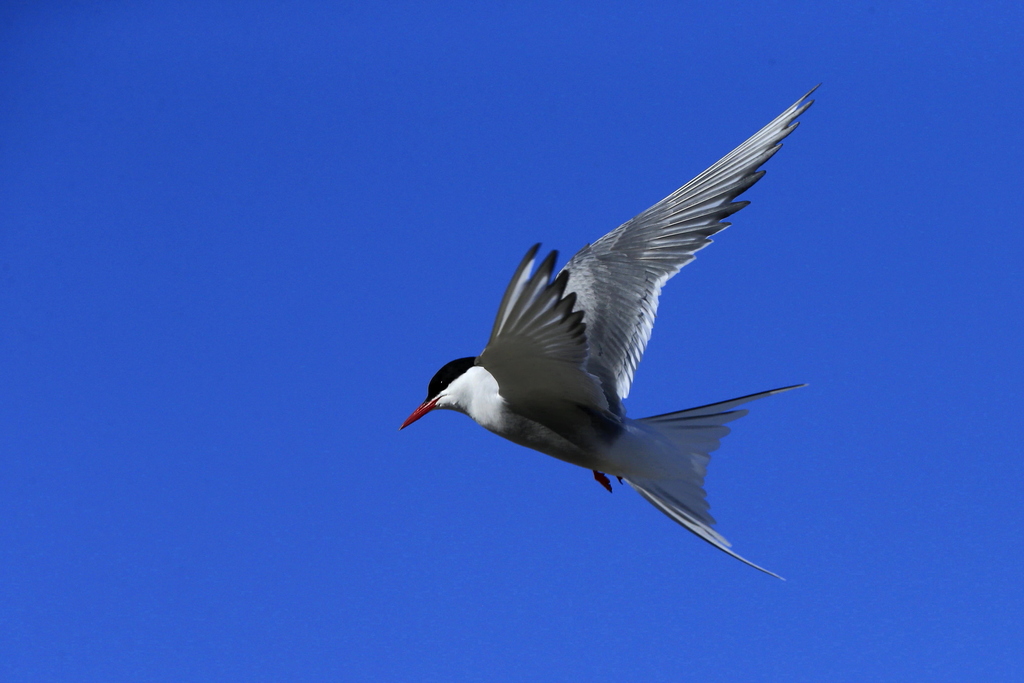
{"type": "Point", "coordinates": [443, 390]}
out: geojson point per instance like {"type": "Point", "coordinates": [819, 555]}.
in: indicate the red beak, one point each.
{"type": "Point", "coordinates": [424, 408]}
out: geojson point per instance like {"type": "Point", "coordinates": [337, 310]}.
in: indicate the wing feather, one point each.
{"type": "Point", "coordinates": [618, 279]}
{"type": "Point", "coordinates": [538, 351]}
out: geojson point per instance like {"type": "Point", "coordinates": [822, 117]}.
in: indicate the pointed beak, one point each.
{"type": "Point", "coordinates": [424, 408]}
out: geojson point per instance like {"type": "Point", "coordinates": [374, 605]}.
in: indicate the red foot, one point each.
{"type": "Point", "coordinates": [603, 480]}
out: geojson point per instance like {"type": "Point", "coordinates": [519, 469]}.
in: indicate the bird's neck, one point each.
{"type": "Point", "coordinates": [475, 393]}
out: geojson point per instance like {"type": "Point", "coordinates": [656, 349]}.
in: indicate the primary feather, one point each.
{"type": "Point", "coordinates": [618, 279]}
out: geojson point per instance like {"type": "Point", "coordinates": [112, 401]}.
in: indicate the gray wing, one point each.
{"type": "Point", "coordinates": [617, 280]}
{"type": "Point", "coordinates": [538, 351]}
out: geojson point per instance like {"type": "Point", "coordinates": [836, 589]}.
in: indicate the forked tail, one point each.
{"type": "Point", "coordinates": [696, 433]}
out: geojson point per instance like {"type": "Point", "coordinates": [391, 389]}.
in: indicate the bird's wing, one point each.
{"type": "Point", "coordinates": [538, 351]}
{"type": "Point", "coordinates": [617, 280]}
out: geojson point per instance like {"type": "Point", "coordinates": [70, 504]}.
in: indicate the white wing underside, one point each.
{"type": "Point", "coordinates": [617, 280]}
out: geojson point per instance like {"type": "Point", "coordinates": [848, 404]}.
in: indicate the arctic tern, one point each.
{"type": "Point", "coordinates": [563, 350]}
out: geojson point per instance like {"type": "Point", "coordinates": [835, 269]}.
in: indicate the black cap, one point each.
{"type": "Point", "coordinates": [448, 374]}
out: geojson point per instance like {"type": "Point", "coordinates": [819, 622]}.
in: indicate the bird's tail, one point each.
{"type": "Point", "coordinates": [694, 434]}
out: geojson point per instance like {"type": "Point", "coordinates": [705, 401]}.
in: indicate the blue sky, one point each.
{"type": "Point", "coordinates": [237, 239]}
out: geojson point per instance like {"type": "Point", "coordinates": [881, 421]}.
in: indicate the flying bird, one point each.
{"type": "Point", "coordinates": [563, 349]}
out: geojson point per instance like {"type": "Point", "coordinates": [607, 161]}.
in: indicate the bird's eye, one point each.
{"type": "Point", "coordinates": [448, 374]}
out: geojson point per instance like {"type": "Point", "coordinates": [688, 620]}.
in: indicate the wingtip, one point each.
{"type": "Point", "coordinates": [800, 106]}
{"type": "Point", "coordinates": [547, 266]}
{"type": "Point", "coordinates": [789, 388]}
{"type": "Point", "coordinates": [808, 103]}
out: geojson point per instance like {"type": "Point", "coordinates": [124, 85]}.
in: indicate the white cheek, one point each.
{"type": "Point", "coordinates": [446, 402]}
{"type": "Point", "coordinates": [476, 394]}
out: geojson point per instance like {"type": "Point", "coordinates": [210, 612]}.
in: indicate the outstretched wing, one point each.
{"type": "Point", "coordinates": [538, 351]}
{"type": "Point", "coordinates": [617, 280]}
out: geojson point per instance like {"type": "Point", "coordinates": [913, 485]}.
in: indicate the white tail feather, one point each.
{"type": "Point", "coordinates": [695, 433]}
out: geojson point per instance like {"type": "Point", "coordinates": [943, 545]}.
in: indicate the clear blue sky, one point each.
{"type": "Point", "coordinates": [237, 239]}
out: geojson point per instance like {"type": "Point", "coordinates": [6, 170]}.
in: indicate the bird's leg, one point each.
{"type": "Point", "coordinates": [619, 478]}
{"type": "Point", "coordinates": [603, 480]}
